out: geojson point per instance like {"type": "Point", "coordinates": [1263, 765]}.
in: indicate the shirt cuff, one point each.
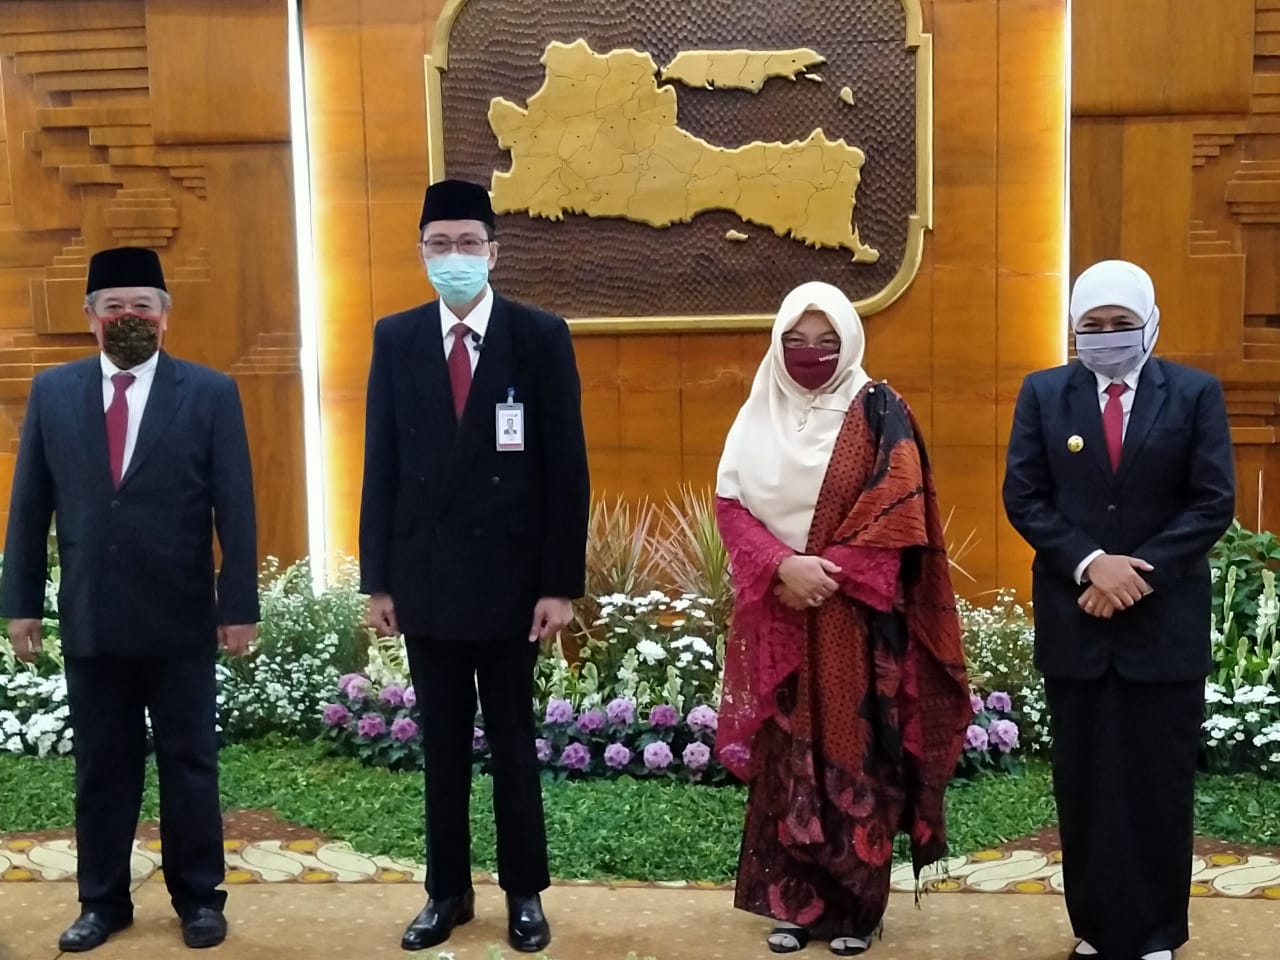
{"type": "Point", "coordinates": [1084, 565]}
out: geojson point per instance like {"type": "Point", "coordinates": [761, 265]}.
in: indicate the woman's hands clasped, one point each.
{"type": "Point", "coordinates": [805, 582]}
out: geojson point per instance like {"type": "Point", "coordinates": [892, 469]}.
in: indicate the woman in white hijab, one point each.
{"type": "Point", "coordinates": [845, 697]}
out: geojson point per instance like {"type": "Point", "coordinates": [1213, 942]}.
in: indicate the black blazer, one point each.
{"type": "Point", "coordinates": [1169, 502]}
{"type": "Point", "coordinates": [466, 539]}
{"type": "Point", "coordinates": [137, 562]}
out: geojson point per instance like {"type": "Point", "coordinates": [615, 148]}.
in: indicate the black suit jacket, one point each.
{"type": "Point", "coordinates": [464, 538]}
{"type": "Point", "coordinates": [137, 562]}
{"type": "Point", "coordinates": [1169, 502]}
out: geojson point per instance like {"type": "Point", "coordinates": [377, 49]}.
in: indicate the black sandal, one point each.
{"type": "Point", "coordinates": [799, 935]}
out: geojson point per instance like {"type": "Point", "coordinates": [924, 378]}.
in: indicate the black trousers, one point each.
{"type": "Point", "coordinates": [107, 696]}
{"type": "Point", "coordinates": [1124, 771]}
{"type": "Point", "coordinates": [445, 678]}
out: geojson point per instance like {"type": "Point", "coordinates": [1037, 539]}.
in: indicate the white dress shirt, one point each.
{"type": "Point", "coordinates": [136, 394]}
{"type": "Point", "coordinates": [477, 320]}
{"type": "Point", "coordinates": [1126, 405]}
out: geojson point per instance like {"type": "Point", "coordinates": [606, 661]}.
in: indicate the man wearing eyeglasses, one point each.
{"type": "Point", "coordinates": [473, 526]}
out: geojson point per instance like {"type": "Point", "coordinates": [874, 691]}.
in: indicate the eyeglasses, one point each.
{"type": "Point", "coordinates": [440, 246]}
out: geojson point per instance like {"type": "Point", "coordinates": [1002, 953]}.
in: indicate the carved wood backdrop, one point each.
{"type": "Point", "coordinates": [160, 123]}
{"type": "Point", "coordinates": [165, 121]}
{"type": "Point", "coordinates": [1175, 164]}
{"type": "Point", "coordinates": [985, 308]}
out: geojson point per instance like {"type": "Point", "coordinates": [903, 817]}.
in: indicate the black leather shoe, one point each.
{"type": "Point", "coordinates": [436, 921]}
{"type": "Point", "coordinates": [204, 927]}
{"type": "Point", "coordinates": [527, 927]}
{"type": "Point", "coordinates": [90, 930]}
{"type": "Point", "coordinates": [1077, 955]}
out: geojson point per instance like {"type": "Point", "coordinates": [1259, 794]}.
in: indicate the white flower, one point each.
{"type": "Point", "coordinates": [650, 651]}
{"type": "Point", "coordinates": [13, 745]}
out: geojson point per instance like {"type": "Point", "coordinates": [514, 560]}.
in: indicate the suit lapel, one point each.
{"type": "Point", "coordinates": [487, 386]}
{"type": "Point", "coordinates": [93, 422]}
{"type": "Point", "coordinates": [1148, 401]}
{"type": "Point", "coordinates": [166, 397]}
{"type": "Point", "coordinates": [1084, 417]}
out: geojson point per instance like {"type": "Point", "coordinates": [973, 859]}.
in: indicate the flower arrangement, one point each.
{"type": "Point", "coordinates": [34, 716]}
{"type": "Point", "coordinates": [999, 642]}
{"type": "Point", "coordinates": [305, 641]}
{"type": "Point", "coordinates": [617, 739]}
{"type": "Point", "coordinates": [992, 738]}
{"type": "Point", "coordinates": [1242, 728]}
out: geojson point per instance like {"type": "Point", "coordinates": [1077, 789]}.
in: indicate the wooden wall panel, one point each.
{"type": "Point", "coordinates": [1161, 56]}
{"type": "Point", "coordinates": [985, 307]}
{"type": "Point", "coordinates": [217, 71]}
{"type": "Point", "coordinates": [1193, 195]}
{"type": "Point", "coordinates": [109, 112]}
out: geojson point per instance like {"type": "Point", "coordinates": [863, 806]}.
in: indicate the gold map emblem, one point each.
{"type": "Point", "coordinates": [602, 138]}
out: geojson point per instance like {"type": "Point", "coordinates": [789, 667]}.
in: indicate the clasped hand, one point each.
{"type": "Point", "coordinates": [805, 582]}
{"type": "Point", "coordinates": [1114, 585]}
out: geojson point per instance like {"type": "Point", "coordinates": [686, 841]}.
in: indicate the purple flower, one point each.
{"type": "Point", "coordinates": [344, 681]}
{"type": "Point", "coordinates": [621, 711]}
{"type": "Point", "coordinates": [543, 748]}
{"type": "Point", "coordinates": [696, 756]}
{"type": "Point", "coordinates": [358, 688]}
{"type": "Point", "coordinates": [591, 721]}
{"type": "Point", "coordinates": [657, 756]}
{"type": "Point", "coordinates": [371, 725]}
{"type": "Point", "coordinates": [392, 695]}
{"type": "Point", "coordinates": [336, 715]}
{"type": "Point", "coordinates": [999, 702]}
{"type": "Point", "coordinates": [975, 702]}
{"type": "Point", "coordinates": [1004, 734]}
{"type": "Point", "coordinates": [702, 719]}
{"type": "Point", "coordinates": [559, 711]}
{"type": "Point", "coordinates": [576, 756]}
{"type": "Point", "coordinates": [663, 715]}
{"type": "Point", "coordinates": [410, 698]}
{"type": "Point", "coordinates": [975, 738]}
{"type": "Point", "coordinates": [403, 729]}
{"type": "Point", "coordinates": [616, 756]}
{"type": "Point", "coordinates": [478, 742]}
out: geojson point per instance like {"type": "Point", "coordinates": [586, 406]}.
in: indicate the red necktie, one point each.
{"type": "Point", "coordinates": [1113, 422]}
{"type": "Point", "coordinates": [459, 368]}
{"type": "Point", "coordinates": [118, 424]}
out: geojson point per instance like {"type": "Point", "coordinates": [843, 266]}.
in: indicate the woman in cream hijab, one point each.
{"type": "Point", "coordinates": [845, 696]}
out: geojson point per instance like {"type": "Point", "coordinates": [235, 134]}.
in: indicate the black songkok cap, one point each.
{"type": "Point", "coordinates": [124, 267]}
{"type": "Point", "coordinates": [457, 200]}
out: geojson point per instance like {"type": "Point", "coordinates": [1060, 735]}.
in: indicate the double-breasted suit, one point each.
{"type": "Point", "coordinates": [1125, 693]}
{"type": "Point", "coordinates": [466, 538]}
{"type": "Point", "coordinates": [140, 603]}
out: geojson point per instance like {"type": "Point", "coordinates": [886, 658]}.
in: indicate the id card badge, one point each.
{"type": "Point", "coordinates": [509, 426]}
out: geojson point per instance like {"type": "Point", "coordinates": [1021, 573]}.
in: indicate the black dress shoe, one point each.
{"type": "Point", "coordinates": [437, 920]}
{"type": "Point", "coordinates": [527, 927]}
{"type": "Point", "coordinates": [204, 927]}
{"type": "Point", "coordinates": [90, 930]}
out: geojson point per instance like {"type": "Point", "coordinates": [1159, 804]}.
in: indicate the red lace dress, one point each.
{"type": "Point", "coordinates": [847, 721]}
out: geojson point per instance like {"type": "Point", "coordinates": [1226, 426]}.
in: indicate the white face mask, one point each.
{"type": "Point", "coordinates": [1117, 353]}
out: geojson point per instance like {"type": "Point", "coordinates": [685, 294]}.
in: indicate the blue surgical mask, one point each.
{"type": "Point", "coordinates": [458, 278]}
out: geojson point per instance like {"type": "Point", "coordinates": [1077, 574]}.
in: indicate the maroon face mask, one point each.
{"type": "Point", "coordinates": [811, 367]}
